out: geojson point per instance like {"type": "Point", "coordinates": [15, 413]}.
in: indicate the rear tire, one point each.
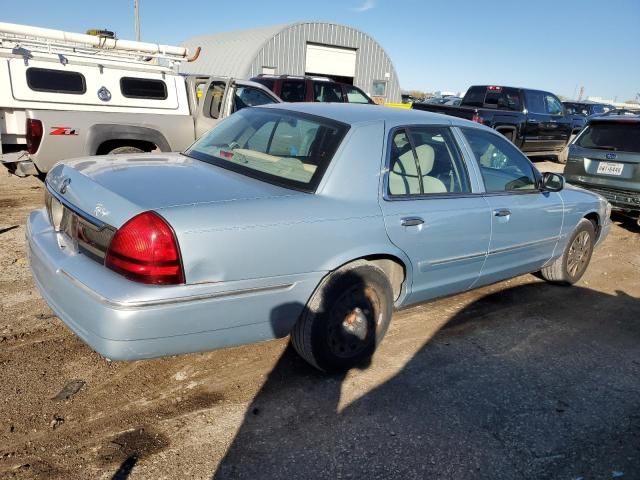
{"type": "Point", "coordinates": [125, 149]}
{"type": "Point", "coordinates": [345, 319]}
{"type": "Point", "coordinates": [571, 265]}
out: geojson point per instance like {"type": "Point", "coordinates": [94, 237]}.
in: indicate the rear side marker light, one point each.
{"type": "Point", "coordinates": [145, 250]}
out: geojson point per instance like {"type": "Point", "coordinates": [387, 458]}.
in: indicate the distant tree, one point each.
{"type": "Point", "coordinates": [635, 102]}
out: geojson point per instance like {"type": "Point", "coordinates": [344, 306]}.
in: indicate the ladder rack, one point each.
{"type": "Point", "coordinates": [25, 40]}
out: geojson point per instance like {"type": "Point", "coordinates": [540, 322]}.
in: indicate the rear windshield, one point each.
{"type": "Point", "coordinates": [286, 148]}
{"type": "Point", "coordinates": [616, 136]}
{"type": "Point", "coordinates": [502, 98]}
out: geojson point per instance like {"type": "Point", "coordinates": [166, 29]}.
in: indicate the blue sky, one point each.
{"type": "Point", "coordinates": [446, 45]}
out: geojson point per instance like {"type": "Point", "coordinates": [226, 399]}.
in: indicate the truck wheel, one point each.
{"type": "Point", "coordinates": [345, 319]}
{"type": "Point", "coordinates": [573, 262]}
{"type": "Point", "coordinates": [125, 149]}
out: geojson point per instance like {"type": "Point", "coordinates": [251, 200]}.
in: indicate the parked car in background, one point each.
{"type": "Point", "coordinates": [534, 120]}
{"type": "Point", "coordinates": [312, 89]}
{"type": "Point", "coordinates": [587, 108]}
{"type": "Point", "coordinates": [605, 158]}
{"type": "Point", "coordinates": [93, 96]}
{"type": "Point", "coordinates": [622, 112]}
{"type": "Point", "coordinates": [406, 98]}
{"type": "Point", "coordinates": [444, 100]}
{"type": "Point", "coordinates": [455, 101]}
{"type": "Point", "coordinates": [314, 220]}
{"type": "Point", "coordinates": [578, 111]}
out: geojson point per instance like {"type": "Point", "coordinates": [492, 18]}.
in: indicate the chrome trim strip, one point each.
{"type": "Point", "coordinates": [84, 215]}
{"type": "Point", "coordinates": [525, 244]}
{"type": "Point", "coordinates": [173, 300]}
{"type": "Point", "coordinates": [437, 263]}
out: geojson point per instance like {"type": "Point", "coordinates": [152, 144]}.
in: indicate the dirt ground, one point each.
{"type": "Point", "coordinates": [519, 380]}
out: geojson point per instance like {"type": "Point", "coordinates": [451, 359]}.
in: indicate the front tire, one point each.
{"type": "Point", "coordinates": [345, 319]}
{"type": "Point", "coordinates": [570, 267]}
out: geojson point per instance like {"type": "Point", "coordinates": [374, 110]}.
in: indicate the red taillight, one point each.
{"type": "Point", "coordinates": [34, 135]}
{"type": "Point", "coordinates": [145, 250]}
{"type": "Point", "coordinates": [476, 118]}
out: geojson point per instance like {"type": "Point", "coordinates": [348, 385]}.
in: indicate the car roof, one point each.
{"type": "Point", "coordinates": [354, 114]}
{"type": "Point", "coordinates": [586, 102]}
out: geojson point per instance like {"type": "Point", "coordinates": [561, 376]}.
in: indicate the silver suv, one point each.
{"type": "Point", "coordinates": [605, 158]}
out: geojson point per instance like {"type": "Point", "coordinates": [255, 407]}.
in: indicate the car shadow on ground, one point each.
{"type": "Point", "coordinates": [626, 222]}
{"type": "Point", "coordinates": [519, 384]}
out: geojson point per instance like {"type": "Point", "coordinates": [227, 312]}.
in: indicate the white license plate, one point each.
{"type": "Point", "coordinates": [610, 168]}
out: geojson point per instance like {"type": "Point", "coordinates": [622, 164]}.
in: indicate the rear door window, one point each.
{"type": "Point", "coordinates": [267, 82]}
{"type": "Point", "coordinates": [510, 100]}
{"type": "Point", "coordinates": [426, 161]}
{"type": "Point", "coordinates": [535, 102]}
{"type": "Point", "coordinates": [614, 136]}
{"type": "Point", "coordinates": [293, 91]}
{"type": "Point", "coordinates": [503, 167]}
{"type": "Point", "coordinates": [327, 92]}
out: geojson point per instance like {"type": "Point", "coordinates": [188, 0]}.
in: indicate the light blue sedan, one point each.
{"type": "Point", "coordinates": [309, 220]}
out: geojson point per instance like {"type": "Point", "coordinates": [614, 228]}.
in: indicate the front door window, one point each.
{"type": "Point", "coordinates": [503, 167]}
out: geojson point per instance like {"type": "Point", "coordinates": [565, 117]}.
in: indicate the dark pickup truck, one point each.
{"type": "Point", "coordinates": [534, 120]}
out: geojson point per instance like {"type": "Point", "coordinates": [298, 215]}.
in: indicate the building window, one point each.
{"type": "Point", "coordinates": [56, 81]}
{"type": "Point", "coordinates": [379, 88]}
{"type": "Point", "coordinates": [132, 87]}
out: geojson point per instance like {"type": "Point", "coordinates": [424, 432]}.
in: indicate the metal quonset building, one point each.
{"type": "Point", "coordinates": [312, 48]}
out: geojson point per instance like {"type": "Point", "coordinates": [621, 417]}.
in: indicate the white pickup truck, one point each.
{"type": "Point", "coordinates": [65, 95]}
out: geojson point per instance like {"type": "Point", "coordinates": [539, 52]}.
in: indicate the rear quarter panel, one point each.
{"type": "Point", "coordinates": [300, 233]}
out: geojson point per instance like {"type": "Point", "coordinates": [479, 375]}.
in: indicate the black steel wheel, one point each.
{"type": "Point", "coordinates": [345, 319]}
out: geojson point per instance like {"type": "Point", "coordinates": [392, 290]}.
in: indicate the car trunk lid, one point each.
{"type": "Point", "coordinates": [111, 190]}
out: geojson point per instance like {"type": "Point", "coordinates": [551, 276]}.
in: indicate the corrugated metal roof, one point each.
{"type": "Point", "coordinates": [229, 53]}
{"type": "Point", "coordinates": [245, 53]}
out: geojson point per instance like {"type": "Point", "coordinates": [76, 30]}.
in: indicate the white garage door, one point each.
{"type": "Point", "coordinates": [322, 59]}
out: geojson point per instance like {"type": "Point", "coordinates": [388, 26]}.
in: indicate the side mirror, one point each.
{"type": "Point", "coordinates": [551, 182]}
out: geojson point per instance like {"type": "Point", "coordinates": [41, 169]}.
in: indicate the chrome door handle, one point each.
{"type": "Point", "coordinates": [502, 212]}
{"type": "Point", "coordinates": [411, 221]}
